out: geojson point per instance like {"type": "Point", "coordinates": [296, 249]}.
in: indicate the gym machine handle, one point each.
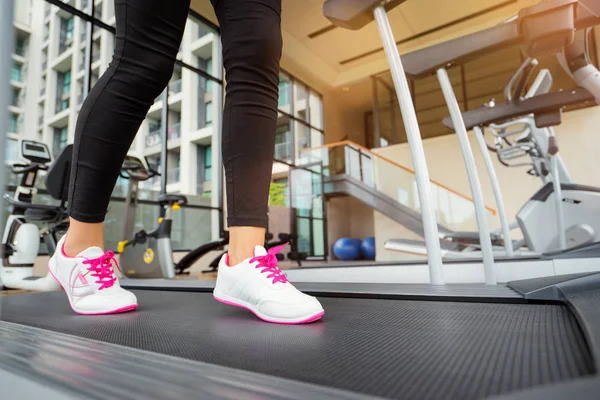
{"type": "Point", "coordinates": [519, 80]}
{"type": "Point", "coordinates": [552, 146]}
{"type": "Point", "coordinates": [24, 168]}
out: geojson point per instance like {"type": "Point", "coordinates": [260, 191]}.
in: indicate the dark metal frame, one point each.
{"type": "Point", "coordinates": [311, 217]}
{"type": "Point", "coordinates": [92, 21]}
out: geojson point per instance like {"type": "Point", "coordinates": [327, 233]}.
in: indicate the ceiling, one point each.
{"type": "Point", "coordinates": [338, 57]}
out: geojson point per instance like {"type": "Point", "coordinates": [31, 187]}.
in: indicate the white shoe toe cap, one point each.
{"type": "Point", "coordinates": [307, 307]}
{"type": "Point", "coordinates": [107, 303]}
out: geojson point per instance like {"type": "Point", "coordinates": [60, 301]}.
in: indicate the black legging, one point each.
{"type": "Point", "coordinates": [148, 36]}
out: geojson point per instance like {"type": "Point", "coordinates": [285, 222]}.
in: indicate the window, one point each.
{"type": "Point", "coordinates": [12, 150]}
{"type": "Point", "coordinates": [66, 82]}
{"type": "Point", "coordinates": [20, 46]}
{"type": "Point", "coordinates": [283, 148]}
{"type": "Point", "coordinates": [207, 163]}
{"type": "Point", "coordinates": [284, 91]}
{"type": "Point", "coordinates": [15, 96]}
{"type": "Point", "coordinates": [202, 30]}
{"type": "Point", "coordinates": [208, 114]}
{"type": "Point", "coordinates": [98, 11]}
{"type": "Point", "coordinates": [209, 70]}
{"type": "Point", "coordinates": [15, 73]}
{"type": "Point", "coordinates": [41, 113]}
{"type": "Point", "coordinates": [278, 193]}
{"type": "Point", "coordinates": [66, 34]}
{"type": "Point", "coordinates": [13, 123]}
{"type": "Point", "coordinates": [70, 23]}
{"type": "Point", "coordinates": [61, 138]}
{"type": "Point", "coordinates": [63, 91]}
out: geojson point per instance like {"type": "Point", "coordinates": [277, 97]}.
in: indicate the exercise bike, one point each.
{"type": "Point", "coordinates": [146, 254]}
{"type": "Point", "coordinates": [22, 238]}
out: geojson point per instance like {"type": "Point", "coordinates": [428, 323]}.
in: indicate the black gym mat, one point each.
{"type": "Point", "coordinates": [396, 349]}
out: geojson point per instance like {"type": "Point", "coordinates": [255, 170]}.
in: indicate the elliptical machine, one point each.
{"type": "Point", "coordinates": [562, 215]}
{"type": "Point", "coordinates": [147, 255]}
{"type": "Point", "coordinates": [22, 238]}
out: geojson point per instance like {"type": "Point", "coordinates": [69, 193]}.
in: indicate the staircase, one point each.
{"type": "Point", "coordinates": [388, 187]}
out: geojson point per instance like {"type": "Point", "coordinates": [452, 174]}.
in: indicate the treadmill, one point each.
{"type": "Point", "coordinates": [532, 339]}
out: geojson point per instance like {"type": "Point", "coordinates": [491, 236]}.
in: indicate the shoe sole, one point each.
{"type": "Point", "coordinates": [295, 321]}
{"type": "Point", "coordinates": [130, 307]}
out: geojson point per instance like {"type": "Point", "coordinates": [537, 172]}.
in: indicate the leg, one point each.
{"type": "Point", "coordinates": [146, 43]}
{"type": "Point", "coordinates": [248, 276]}
{"type": "Point", "coordinates": [251, 37]}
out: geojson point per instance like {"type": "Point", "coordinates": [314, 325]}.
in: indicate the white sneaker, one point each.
{"type": "Point", "coordinates": [90, 282]}
{"type": "Point", "coordinates": [258, 285]}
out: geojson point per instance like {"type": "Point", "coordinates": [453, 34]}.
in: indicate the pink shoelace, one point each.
{"type": "Point", "coordinates": [102, 268]}
{"type": "Point", "coordinates": [268, 263]}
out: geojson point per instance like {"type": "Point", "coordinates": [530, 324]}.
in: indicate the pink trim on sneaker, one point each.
{"type": "Point", "coordinates": [62, 250]}
{"type": "Point", "coordinates": [82, 278]}
{"type": "Point", "coordinates": [307, 320]}
{"type": "Point", "coordinates": [130, 307]}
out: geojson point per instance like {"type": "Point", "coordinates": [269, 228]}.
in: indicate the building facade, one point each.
{"type": "Point", "coordinates": [48, 89]}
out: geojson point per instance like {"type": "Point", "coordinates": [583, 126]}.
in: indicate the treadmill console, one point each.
{"type": "Point", "coordinates": [36, 152]}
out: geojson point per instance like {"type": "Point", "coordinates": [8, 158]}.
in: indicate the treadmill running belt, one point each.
{"type": "Point", "coordinates": [395, 349]}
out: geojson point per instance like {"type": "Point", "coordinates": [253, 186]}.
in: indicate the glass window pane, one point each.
{"type": "Point", "coordinates": [301, 102]}
{"type": "Point", "coordinates": [304, 235]}
{"type": "Point", "coordinates": [302, 139]}
{"type": "Point", "coordinates": [316, 110]}
{"type": "Point", "coordinates": [317, 138]}
{"type": "Point", "coordinates": [318, 237]}
{"type": "Point", "coordinates": [208, 163]}
{"type": "Point", "coordinates": [283, 140]}
{"type": "Point", "coordinates": [11, 150]}
{"type": "Point", "coordinates": [175, 84]}
{"type": "Point", "coordinates": [201, 87]}
{"type": "Point", "coordinates": [285, 94]}
{"type": "Point", "coordinates": [208, 114]}
{"type": "Point", "coordinates": [59, 140]}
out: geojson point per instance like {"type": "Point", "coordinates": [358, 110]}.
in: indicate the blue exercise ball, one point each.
{"type": "Point", "coordinates": [367, 248]}
{"type": "Point", "coordinates": [346, 249]}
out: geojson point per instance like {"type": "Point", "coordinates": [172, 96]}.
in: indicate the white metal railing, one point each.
{"type": "Point", "coordinates": [153, 138]}
{"type": "Point", "coordinates": [283, 151]}
{"type": "Point", "coordinates": [174, 131]}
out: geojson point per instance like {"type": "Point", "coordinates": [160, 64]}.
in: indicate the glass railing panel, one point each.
{"type": "Point", "coordinates": [352, 163]}
{"type": "Point", "coordinates": [454, 210]}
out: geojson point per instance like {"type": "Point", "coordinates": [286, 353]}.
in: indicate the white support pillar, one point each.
{"type": "Point", "coordinates": [485, 239]}
{"type": "Point", "coordinates": [413, 134]}
{"type": "Point", "coordinates": [504, 224]}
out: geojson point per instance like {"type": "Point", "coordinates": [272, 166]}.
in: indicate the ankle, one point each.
{"type": "Point", "coordinates": [81, 236]}
{"type": "Point", "coordinates": [73, 247]}
{"type": "Point", "coordinates": [237, 257]}
{"type": "Point", "coordinates": [242, 240]}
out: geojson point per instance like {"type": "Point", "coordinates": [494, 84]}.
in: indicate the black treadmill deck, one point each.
{"type": "Point", "coordinates": [407, 349]}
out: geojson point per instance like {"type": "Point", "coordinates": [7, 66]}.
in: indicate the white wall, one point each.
{"type": "Point", "coordinates": [22, 11]}
{"type": "Point", "coordinates": [579, 143]}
